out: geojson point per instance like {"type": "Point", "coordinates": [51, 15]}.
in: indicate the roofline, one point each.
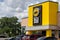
{"type": "Point", "coordinates": [43, 2]}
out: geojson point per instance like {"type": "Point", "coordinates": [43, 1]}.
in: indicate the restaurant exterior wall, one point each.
{"type": "Point", "coordinates": [59, 19]}
{"type": "Point", "coordinates": [24, 21]}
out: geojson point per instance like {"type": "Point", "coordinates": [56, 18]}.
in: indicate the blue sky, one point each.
{"type": "Point", "coordinates": [1, 0]}
{"type": "Point", "coordinates": [17, 8]}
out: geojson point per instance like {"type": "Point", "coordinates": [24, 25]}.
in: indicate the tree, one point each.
{"type": "Point", "coordinates": [10, 26]}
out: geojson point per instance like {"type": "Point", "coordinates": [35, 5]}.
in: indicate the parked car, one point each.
{"type": "Point", "coordinates": [31, 37]}
{"type": "Point", "coordinates": [47, 38]}
{"type": "Point", "coordinates": [19, 37]}
{"type": "Point", "coordinates": [11, 38]}
{"type": "Point", "coordinates": [50, 38]}
{"type": "Point", "coordinates": [3, 36]}
{"type": "Point", "coordinates": [41, 38]}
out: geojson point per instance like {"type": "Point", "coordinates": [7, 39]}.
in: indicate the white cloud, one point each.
{"type": "Point", "coordinates": [54, 0]}
{"type": "Point", "coordinates": [17, 8]}
{"type": "Point", "coordinates": [24, 14]}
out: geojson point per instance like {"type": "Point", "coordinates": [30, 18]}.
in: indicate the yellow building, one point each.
{"type": "Point", "coordinates": [44, 14]}
{"type": "Point", "coordinates": [43, 17]}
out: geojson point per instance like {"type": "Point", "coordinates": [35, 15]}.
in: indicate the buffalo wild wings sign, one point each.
{"type": "Point", "coordinates": [37, 15]}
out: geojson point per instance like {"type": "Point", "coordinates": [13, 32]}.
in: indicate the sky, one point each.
{"type": "Point", "coordinates": [18, 8]}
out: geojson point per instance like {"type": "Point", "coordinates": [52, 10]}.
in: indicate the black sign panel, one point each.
{"type": "Point", "coordinates": [37, 15]}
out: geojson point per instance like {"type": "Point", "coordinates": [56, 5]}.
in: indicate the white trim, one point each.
{"type": "Point", "coordinates": [42, 28]}
{"type": "Point", "coordinates": [37, 28]}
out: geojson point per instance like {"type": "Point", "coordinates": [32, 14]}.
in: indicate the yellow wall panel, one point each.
{"type": "Point", "coordinates": [53, 9]}
{"type": "Point", "coordinates": [45, 13]}
{"type": "Point", "coordinates": [30, 16]}
{"type": "Point", "coordinates": [48, 33]}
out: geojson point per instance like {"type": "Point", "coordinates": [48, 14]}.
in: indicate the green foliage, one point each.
{"type": "Point", "coordinates": [10, 26]}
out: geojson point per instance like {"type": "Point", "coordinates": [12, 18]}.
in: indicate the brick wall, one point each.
{"type": "Point", "coordinates": [24, 22]}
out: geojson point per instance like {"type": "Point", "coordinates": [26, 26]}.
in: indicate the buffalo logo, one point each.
{"type": "Point", "coordinates": [36, 11]}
